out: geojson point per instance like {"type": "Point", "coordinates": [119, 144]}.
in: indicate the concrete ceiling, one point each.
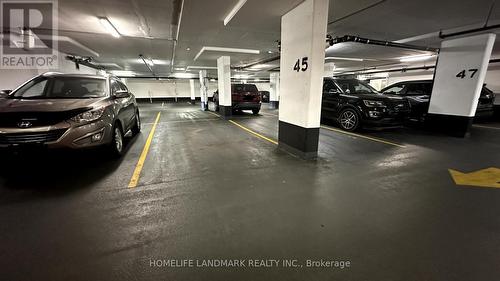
{"type": "Point", "coordinates": [150, 28]}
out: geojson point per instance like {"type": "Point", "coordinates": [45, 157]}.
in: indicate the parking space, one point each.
{"type": "Point", "coordinates": [210, 188]}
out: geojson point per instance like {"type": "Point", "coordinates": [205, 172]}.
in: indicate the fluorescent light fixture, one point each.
{"type": "Point", "coordinates": [179, 68]}
{"type": "Point", "coordinates": [183, 75]}
{"type": "Point", "coordinates": [416, 58]}
{"type": "Point", "coordinates": [241, 76]}
{"type": "Point", "coordinates": [109, 27]}
{"type": "Point", "coordinates": [123, 73]}
{"type": "Point", "coordinates": [200, 67]}
{"type": "Point", "coordinates": [341, 58]}
{"type": "Point", "coordinates": [234, 11]}
{"type": "Point", "coordinates": [260, 66]}
{"type": "Point", "coordinates": [150, 62]}
{"type": "Point", "coordinates": [228, 50]}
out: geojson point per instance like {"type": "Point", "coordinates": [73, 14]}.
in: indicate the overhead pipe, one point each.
{"type": "Point", "coordinates": [474, 30]}
{"type": "Point", "coordinates": [84, 61]}
{"type": "Point", "coordinates": [147, 65]}
{"type": "Point", "coordinates": [180, 8]}
{"type": "Point", "coordinates": [403, 69]}
{"type": "Point", "coordinates": [357, 39]}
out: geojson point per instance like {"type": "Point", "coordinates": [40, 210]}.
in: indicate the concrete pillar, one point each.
{"type": "Point", "coordinates": [274, 93]}
{"type": "Point", "coordinates": [204, 90]}
{"type": "Point", "coordinates": [303, 35]}
{"type": "Point", "coordinates": [458, 81]}
{"type": "Point", "coordinates": [193, 93]}
{"type": "Point", "coordinates": [224, 83]}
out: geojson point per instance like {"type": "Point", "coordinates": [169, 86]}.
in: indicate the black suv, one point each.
{"type": "Point", "coordinates": [354, 104]}
{"type": "Point", "coordinates": [419, 94]}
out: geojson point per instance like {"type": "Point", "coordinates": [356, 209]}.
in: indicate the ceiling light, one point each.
{"type": "Point", "coordinates": [188, 49]}
{"type": "Point", "coordinates": [229, 50]}
{"type": "Point", "coordinates": [179, 68]}
{"type": "Point", "coordinates": [234, 11]}
{"type": "Point", "coordinates": [183, 75]}
{"type": "Point", "coordinates": [341, 58]}
{"type": "Point", "coordinates": [123, 73]}
{"type": "Point", "coordinates": [150, 62]}
{"type": "Point", "coordinates": [109, 27]}
{"type": "Point", "coordinates": [260, 66]}
{"type": "Point", "coordinates": [200, 67]}
{"type": "Point", "coordinates": [241, 76]}
{"type": "Point", "coordinates": [416, 58]}
{"type": "Point", "coordinates": [269, 52]}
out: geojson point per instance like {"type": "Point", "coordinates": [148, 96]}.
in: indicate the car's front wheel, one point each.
{"type": "Point", "coordinates": [349, 120]}
{"type": "Point", "coordinates": [116, 145]}
{"type": "Point", "coordinates": [255, 111]}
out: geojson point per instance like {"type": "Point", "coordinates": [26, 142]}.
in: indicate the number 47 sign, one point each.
{"type": "Point", "coordinates": [463, 74]}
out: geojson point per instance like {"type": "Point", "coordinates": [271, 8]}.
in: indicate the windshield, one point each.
{"type": "Point", "coordinates": [62, 88]}
{"type": "Point", "coordinates": [241, 88]}
{"type": "Point", "coordinates": [353, 86]}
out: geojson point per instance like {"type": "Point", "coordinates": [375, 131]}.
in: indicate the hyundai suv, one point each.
{"type": "Point", "coordinates": [354, 104]}
{"type": "Point", "coordinates": [69, 111]}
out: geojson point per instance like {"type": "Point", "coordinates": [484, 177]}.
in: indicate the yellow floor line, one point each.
{"type": "Point", "coordinates": [486, 127]}
{"type": "Point", "coordinates": [363, 137]}
{"type": "Point", "coordinates": [140, 164]}
{"type": "Point", "coordinates": [213, 113]}
{"type": "Point", "coordinates": [254, 133]}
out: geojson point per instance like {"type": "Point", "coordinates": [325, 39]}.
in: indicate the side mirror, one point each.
{"type": "Point", "coordinates": [4, 93]}
{"type": "Point", "coordinates": [121, 94]}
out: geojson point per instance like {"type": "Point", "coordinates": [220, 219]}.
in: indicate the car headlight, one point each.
{"type": "Point", "coordinates": [89, 116]}
{"type": "Point", "coordinates": [374, 103]}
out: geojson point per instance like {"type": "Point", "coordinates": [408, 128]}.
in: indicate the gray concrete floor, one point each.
{"type": "Point", "coordinates": [212, 190]}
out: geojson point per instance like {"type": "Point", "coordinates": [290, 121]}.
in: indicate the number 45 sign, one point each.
{"type": "Point", "coordinates": [301, 64]}
{"type": "Point", "coordinates": [463, 74]}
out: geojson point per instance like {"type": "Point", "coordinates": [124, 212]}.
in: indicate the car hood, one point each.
{"type": "Point", "coordinates": [47, 105]}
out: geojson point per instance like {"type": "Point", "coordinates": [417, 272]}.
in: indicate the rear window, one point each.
{"type": "Point", "coordinates": [241, 88]}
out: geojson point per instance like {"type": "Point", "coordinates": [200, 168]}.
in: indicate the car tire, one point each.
{"type": "Point", "coordinates": [116, 146]}
{"type": "Point", "coordinates": [255, 111]}
{"type": "Point", "coordinates": [136, 129]}
{"type": "Point", "coordinates": [349, 120]}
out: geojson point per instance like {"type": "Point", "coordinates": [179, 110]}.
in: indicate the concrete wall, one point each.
{"type": "Point", "coordinates": [180, 88]}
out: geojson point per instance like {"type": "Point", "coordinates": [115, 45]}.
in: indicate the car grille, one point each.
{"type": "Point", "coordinates": [37, 119]}
{"type": "Point", "coordinates": [29, 138]}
